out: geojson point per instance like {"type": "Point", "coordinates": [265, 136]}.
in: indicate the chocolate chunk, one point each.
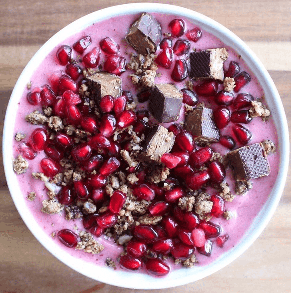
{"type": "Point", "coordinates": [200, 124]}
{"type": "Point", "coordinates": [101, 84]}
{"type": "Point", "coordinates": [158, 142]}
{"type": "Point", "coordinates": [145, 34]}
{"type": "Point", "coordinates": [208, 64]}
{"type": "Point", "coordinates": [249, 162]}
{"type": "Point", "coordinates": [165, 102]}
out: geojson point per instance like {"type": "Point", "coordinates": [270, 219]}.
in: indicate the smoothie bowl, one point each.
{"type": "Point", "coordinates": [145, 146]}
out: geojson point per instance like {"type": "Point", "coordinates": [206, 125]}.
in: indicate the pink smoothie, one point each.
{"type": "Point", "coordinates": [245, 208]}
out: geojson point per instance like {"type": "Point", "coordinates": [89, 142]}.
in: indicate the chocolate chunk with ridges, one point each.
{"type": "Point", "coordinates": [249, 162]}
{"type": "Point", "coordinates": [165, 102]}
{"type": "Point", "coordinates": [199, 122]}
{"type": "Point", "coordinates": [101, 84]}
{"type": "Point", "coordinates": [145, 34]}
{"type": "Point", "coordinates": [208, 64]}
{"type": "Point", "coordinates": [158, 142]}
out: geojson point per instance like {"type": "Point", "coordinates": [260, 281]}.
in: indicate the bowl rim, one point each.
{"type": "Point", "coordinates": [143, 281]}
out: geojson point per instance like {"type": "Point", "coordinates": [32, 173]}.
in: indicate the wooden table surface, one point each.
{"type": "Point", "coordinates": [25, 266]}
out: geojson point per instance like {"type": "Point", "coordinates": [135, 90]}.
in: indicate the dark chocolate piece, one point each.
{"type": "Point", "coordinates": [208, 64]}
{"type": "Point", "coordinates": [249, 162]}
{"type": "Point", "coordinates": [145, 34]}
{"type": "Point", "coordinates": [165, 102]}
{"type": "Point", "coordinates": [199, 122]}
{"type": "Point", "coordinates": [158, 142]}
{"type": "Point", "coordinates": [101, 84]}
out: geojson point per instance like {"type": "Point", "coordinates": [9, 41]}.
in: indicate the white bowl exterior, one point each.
{"type": "Point", "coordinates": [178, 277]}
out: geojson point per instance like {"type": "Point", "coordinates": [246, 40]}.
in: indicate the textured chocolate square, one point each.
{"type": "Point", "coordinates": [145, 34]}
{"type": "Point", "coordinates": [158, 142]}
{"type": "Point", "coordinates": [208, 64]}
{"type": "Point", "coordinates": [101, 84]}
{"type": "Point", "coordinates": [165, 102]}
{"type": "Point", "coordinates": [199, 122]}
{"type": "Point", "coordinates": [249, 162]}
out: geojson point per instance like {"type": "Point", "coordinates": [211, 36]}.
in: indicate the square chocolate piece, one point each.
{"type": "Point", "coordinates": [199, 122]}
{"type": "Point", "coordinates": [165, 102]}
{"type": "Point", "coordinates": [158, 142]}
{"type": "Point", "coordinates": [145, 34]}
{"type": "Point", "coordinates": [101, 84]}
{"type": "Point", "coordinates": [249, 162]}
{"type": "Point", "coordinates": [208, 64]}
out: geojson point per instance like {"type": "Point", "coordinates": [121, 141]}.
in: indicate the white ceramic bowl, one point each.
{"type": "Point", "coordinates": [177, 277]}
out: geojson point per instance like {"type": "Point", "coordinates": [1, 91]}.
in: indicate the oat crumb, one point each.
{"type": "Point", "coordinates": [51, 206]}
{"type": "Point", "coordinates": [19, 136]}
{"type": "Point", "coordinates": [110, 263]}
{"type": "Point", "coordinates": [36, 118]}
{"type": "Point", "coordinates": [88, 243]}
{"type": "Point", "coordinates": [229, 84]}
{"type": "Point", "coordinates": [20, 165]}
{"type": "Point", "coordinates": [228, 215]}
{"type": "Point", "coordinates": [31, 196]}
{"type": "Point", "coordinates": [190, 262]}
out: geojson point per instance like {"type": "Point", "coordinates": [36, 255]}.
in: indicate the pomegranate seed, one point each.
{"type": "Point", "coordinates": [216, 172]}
{"type": "Point", "coordinates": [106, 104]}
{"type": "Point", "coordinates": [136, 248]}
{"type": "Point", "coordinates": [109, 166]}
{"type": "Point", "coordinates": [115, 64]}
{"type": "Point", "coordinates": [54, 81]}
{"type": "Point", "coordinates": [206, 249]}
{"type": "Point", "coordinates": [194, 34]}
{"type": "Point", "coordinates": [66, 83]}
{"type": "Point", "coordinates": [185, 236]}
{"type": "Point", "coordinates": [117, 201]}
{"type": "Point", "coordinates": [107, 125]}
{"type": "Point", "coordinates": [143, 96]}
{"type": "Point", "coordinates": [97, 181]}
{"type": "Point", "coordinates": [224, 98]}
{"type": "Point", "coordinates": [171, 226]}
{"type": "Point", "coordinates": [197, 180]}
{"type": "Point", "coordinates": [68, 238]}
{"type": "Point", "coordinates": [47, 95]}
{"type": "Point", "coordinates": [181, 251]}
{"type": "Point", "coordinates": [81, 152]}
{"type": "Point", "coordinates": [33, 98]}
{"type": "Point", "coordinates": [108, 46]}
{"type": "Point", "coordinates": [183, 171]}
{"type": "Point", "coordinates": [97, 195]}
{"type": "Point", "coordinates": [107, 220]}
{"type": "Point", "coordinates": [218, 206]}
{"type": "Point", "coordinates": [26, 151]}
{"type": "Point", "coordinates": [119, 105]}
{"type": "Point", "coordinates": [207, 88]}
{"type": "Point", "coordinates": [233, 69]}
{"type": "Point", "coordinates": [38, 139]}
{"type": "Point", "coordinates": [200, 157]}
{"type": "Point", "coordinates": [243, 100]}
{"type": "Point", "coordinates": [241, 116]}
{"type": "Point", "coordinates": [241, 80]}
{"type": "Point", "coordinates": [220, 240]}
{"type": "Point", "coordinates": [64, 54]}
{"type": "Point", "coordinates": [128, 95]}
{"type": "Point", "coordinates": [190, 221]}
{"type": "Point", "coordinates": [180, 71]}
{"type": "Point", "coordinates": [177, 27]}
{"type": "Point", "coordinates": [162, 235]}
{"type": "Point", "coordinates": [65, 196]}
{"type": "Point", "coordinates": [60, 107]}
{"type": "Point", "coordinates": [90, 221]}
{"type": "Point", "coordinates": [171, 161]}
{"type": "Point", "coordinates": [198, 236]}
{"type": "Point", "coordinates": [242, 134]}
{"type": "Point", "coordinates": [126, 119]}
{"type": "Point", "coordinates": [145, 233]}
{"type": "Point", "coordinates": [96, 231]}
{"type": "Point", "coordinates": [185, 141]}
{"type": "Point", "coordinates": [158, 208]}
{"type": "Point", "coordinates": [174, 194]}
{"type": "Point", "coordinates": [227, 141]}
{"type": "Point", "coordinates": [81, 45]}
{"type": "Point", "coordinates": [70, 98]}
{"type": "Point", "coordinates": [93, 163]}
{"type": "Point", "coordinates": [184, 157]}
{"type": "Point", "coordinates": [178, 214]}
{"type": "Point", "coordinates": [159, 191]}
{"type": "Point", "coordinates": [165, 58]}
{"type": "Point", "coordinates": [91, 59]}
{"type": "Point", "coordinates": [140, 127]}
{"type": "Point", "coordinates": [166, 43]}
{"type": "Point", "coordinates": [129, 262]}
{"type": "Point", "coordinates": [81, 189]}
{"type": "Point", "coordinates": [211, 230]}
{"type": "Point", "coordinates": [221, 117]}
{"type": "Point", "coordinates": [63, 140]}
{"type": "Point", "coordinates": [163, 246]}
{"type": "Point", "coordinates": [143, 191]}
{"type": "Point", "coordinates": [114, 149]}
{"type": "Point", "coordinates": [49, 167]}
{"type": "Point", "coordinates": [73, 114]}
{"type": "Point", "coordinates": [99, 141]}
{"type": "Point", "coordinates": [181, 47]}
{"type": "Point", "coordinates": [189, 97]}
{"type": "Point", "coordinates": [157, 267]}
{"type": "Point", "coordinates": [53, 152]}
{"type": "Point", "coordinates": [74, 71]}
{"type": "Point", "coordinates": [89, 124]}
{"type": "Point", "coordinates": [175, 128]}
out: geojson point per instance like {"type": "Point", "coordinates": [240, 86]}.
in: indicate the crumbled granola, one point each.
{"type": "Point", "coordinates": [73, 212]}
{"type": "Point", "coordinates": [159, 174]}
{"type": "Point", "coordinates": [217, 157]}
{"type": "Point", "coordinates": [190, 262]}
{"type": "Point", "coordinates": [51, 206]}
{"type": "Point", "coordinates": [40, 176]}
{"type": "Point", "coordinates": [228, 215]}
{"type": "Point", "coordinates": [225, 192]}
{"type": "Point", "coordinates": [114, 182]}
{"type": "Point", "coordinates": [110, 263]}
{"type": "Point", "coordinates": [229, 84]}
{"type": "Point", "coordinates": [128, 159]}
{"type": "Point", "coordinates": [88, 243]}
{"type": "Point", "coordinates": [149, 220]}
{"type": "Point", "coordinates": [186, 203]}
{"type": "Point", "coordinates": [123, 239]}
{"type": "Point", "coordinates": [19, 136]}
{"type": "Point", "coordinates": [48, 111]}
{"type": "Point", "coordinates": [55, 123]}
{"type": "Point", "coordinates": [124, 222]}
{"type": "Point", "coordinates": [132, 178]}
{"type": "Point", "coordinates": [203, 205]}
{"type": "Point", "coordinates": [20, 165]}
{"type": "Point", "coordinates": [89, 208]}
{"type": "Point", "coordinates": [268, 146]}
{"type": "Point", "coordinates": [31, 196]}
{"type": "Point", "coordinates": [36, 118]}
{"type": "Point", "coordinates": [258, 109]}
{"type": "Point", "coordinates": [242, 187]}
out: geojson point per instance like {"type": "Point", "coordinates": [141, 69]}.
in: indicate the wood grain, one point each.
{"type": "Point", "coordinates": [25, 266]}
